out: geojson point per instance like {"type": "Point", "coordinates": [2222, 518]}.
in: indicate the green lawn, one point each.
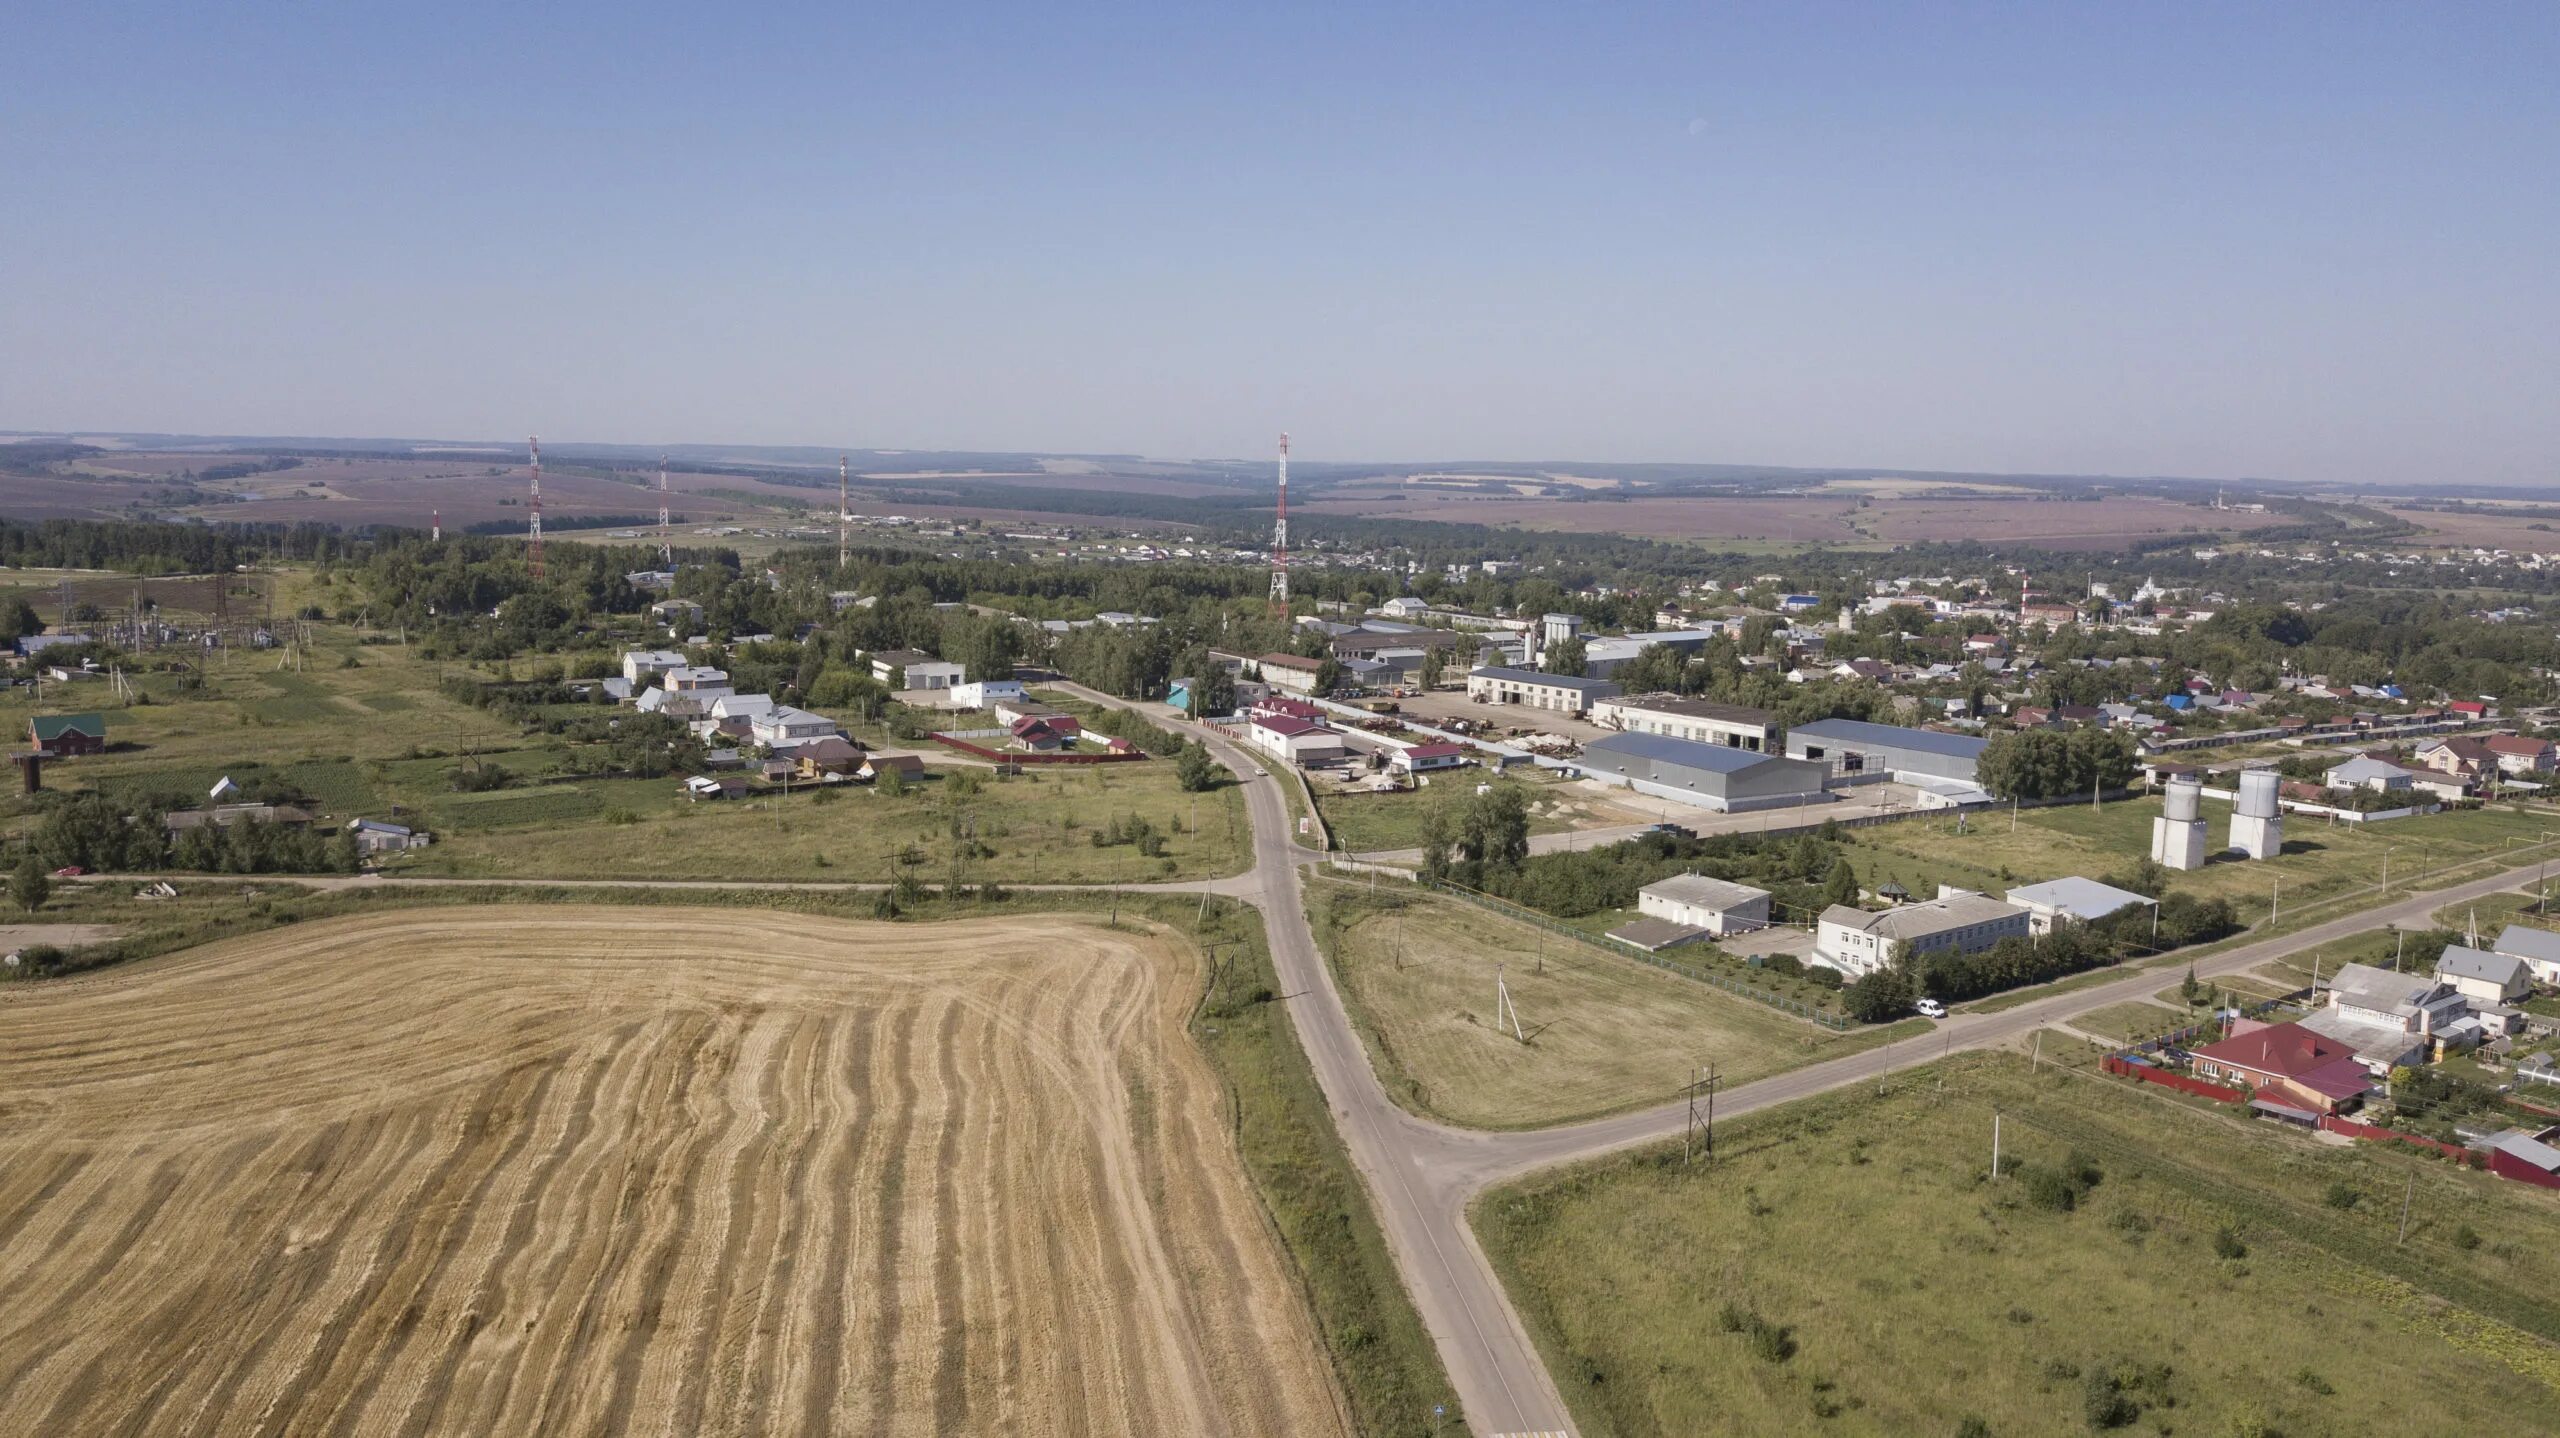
{"type": "Point", "coordinates": [1038, 827]}
{"type": "Point", "coordinates": [1847, 1265]}
{"type": "Point", "coordinates": [1362, 822]}
{"type": "Point", "coordinates": [1598, 1031]}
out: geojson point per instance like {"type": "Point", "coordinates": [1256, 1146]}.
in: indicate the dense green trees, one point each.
{"type": "Point", "coordinates": [2051, 763]}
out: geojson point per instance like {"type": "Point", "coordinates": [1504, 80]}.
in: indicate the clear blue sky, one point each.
{"type": "Point", "coordinates": [2306, 241]}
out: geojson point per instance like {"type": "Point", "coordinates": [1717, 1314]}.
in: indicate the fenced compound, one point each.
{"type": "Point", "coordinates": [1696, 972]}
{"type": "Point", "coordinates": [2124, 1067]}
{"type": "Point", "coordinates": [2375, 1133]}
{"type": "Point", "coordinates": [1020, 756]}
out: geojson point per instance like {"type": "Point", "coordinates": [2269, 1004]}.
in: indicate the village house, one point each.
{"type": "Point", "coordinates": [2485, 978]}
{"type": "Point", "coordinates": [375, 836]}
{"type": "Point", "coordinates": [2539, 948]}
{"type": "Point", "coordinates": [2391, 1020]}
{"type": "Point", "coordinates": [59, 736]}
{"type": "Point", "coordinates": [826, 755]}
{"type": "Point", "coordinates": [2519, 754]}
{"type": "Point", "coordinates": [908, 767]}
{"type": "Point", "coordinates": [783, 725]}
{"type": "Point", "coordinates": [639, 666]}
{"type": "Point", "coordinates": [2291, 1063]}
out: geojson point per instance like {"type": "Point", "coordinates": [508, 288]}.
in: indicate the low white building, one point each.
{"type": "Point", "coordinates": [1296, 741]}
{"type": "Point", "coordinates": [2080, 900]}
{"type": "Point", "coordinates": [784, 725]}
{"type": "Point", "coordinates": [981, 693]}
{"type": "Point", "coordinates": [936, 674]}
{"type": "Point", "coordinates": [641, 665]}
{"type": "Point", "coordinates": [1718, 906]}
{"type": "Point", "coordinates": [1531, 689]}
{"type": "Point", "coordinates": [1858, 943]}
{"type": "Point", "coordinates": [1426, 758]}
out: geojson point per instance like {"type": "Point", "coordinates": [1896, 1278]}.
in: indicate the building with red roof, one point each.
{"type": "Point", "coordinates": [1423, 758]}
{"type": "Point", "coordinates": [2289, 1062]}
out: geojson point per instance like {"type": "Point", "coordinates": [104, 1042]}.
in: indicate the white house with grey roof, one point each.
{"type": "Point", "coordinates": [2366, 772]}
{"type": "Point", "coordinates": [2075, 898]}
{"type": "Point", "coordinates": [1710, 776]}
{"type": "Point", "coordinates": [1718, 906]}
{"type": "Point", "coordinates": [1858, 943]}
{"type": "Point", "coordinates": [2539, 948]}
{"type": "Point", "coordinates": [2487, 979]}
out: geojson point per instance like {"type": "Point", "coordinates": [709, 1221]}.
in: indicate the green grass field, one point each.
{"type": "Point", "coordinates": [2319, 861]}
{"type": "Point", "coordinates": [1847, 1265]}
{"type": "Point", "coordinates": [1363, 822]}
{"type": "Point", "coordinates": [359, 740]}
{"type": "Point", "coordinates": [1604, 1033]}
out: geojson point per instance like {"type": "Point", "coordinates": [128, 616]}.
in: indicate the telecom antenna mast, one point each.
{"type": "Point", "coordinates": [536, 535]}
{"type": "Point", "coordinates": [435, 525]}
{"type": "Point", "coordinates": [1280, 539]}
{"type": "Point", "coordinates": [666, 547]}
{"type": "Point", "coordinates": [844, 510]}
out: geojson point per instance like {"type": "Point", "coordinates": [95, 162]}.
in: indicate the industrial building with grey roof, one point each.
{"type": "Point", "coordinates": [1710, 776]}
{"type": "Point", "coordinates": [1853, 746]}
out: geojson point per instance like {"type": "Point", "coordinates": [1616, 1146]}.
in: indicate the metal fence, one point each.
{"type": "Point", "coordinates": [1694, 972]}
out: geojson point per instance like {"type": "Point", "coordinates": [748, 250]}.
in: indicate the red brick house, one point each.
{"type": "Point", "coordinates": [63, 735]}
{"type": "Point", "coordinates": [2289, 1063]}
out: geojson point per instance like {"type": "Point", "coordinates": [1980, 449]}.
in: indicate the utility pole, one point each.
{"type": "Point", "coordinates": [2406, 1195]}
{"type": "Point", "coordinates": [1995, 1145]}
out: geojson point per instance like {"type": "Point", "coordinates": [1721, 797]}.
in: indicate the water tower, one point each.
{"type": "Point", "coordinates": [2177, 836]}
{"type": "Point", "coordinates": [2257, 826]}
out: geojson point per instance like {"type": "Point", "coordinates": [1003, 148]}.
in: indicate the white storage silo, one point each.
{"type": "Point", "coordinates": [2177, 836]}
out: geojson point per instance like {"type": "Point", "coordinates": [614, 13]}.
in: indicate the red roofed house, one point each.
{"type": "Point", "coordinates": [2517, 754]}
{"type": "Point", "coordinates": [1039, 734]}
{"type": "Point", "coordinates": [2470, 708]}
{"type": "Point", "coordinates": [2289, 1063]}
{"type": "Point", "coordinates": [1423, 758]}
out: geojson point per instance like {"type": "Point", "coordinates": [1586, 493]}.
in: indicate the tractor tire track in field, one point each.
{"type": "Point", "coordinates": [521, 1169]}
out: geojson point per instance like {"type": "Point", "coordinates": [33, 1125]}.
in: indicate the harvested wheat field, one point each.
{"type": "Point", "coordinates": [595, 1170]}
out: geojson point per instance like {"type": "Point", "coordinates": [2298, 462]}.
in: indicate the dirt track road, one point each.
{"type": "Point", "coordinates": [637, 1170]}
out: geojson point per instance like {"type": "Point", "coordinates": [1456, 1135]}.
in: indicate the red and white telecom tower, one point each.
{"type": "Point", "coordinates": [844, 509]}
{"type": "Point", "coordinates": [1280, 538]}
{"type": "Point", "coordinates": [536, 535]}
{"type": "Point", "coordinates": [666, 547]}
